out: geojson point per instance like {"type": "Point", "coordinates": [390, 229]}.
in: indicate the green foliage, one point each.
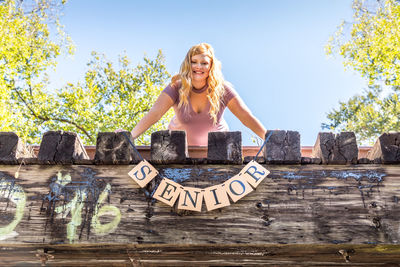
{"type": "Point", "coordinates": [31, 39]}
{"type": "Point", "coordinates": [373, 49]}
{"type": "Point", "coordinates": [368, 115]}
{"type": "Point", "coordinates": [26, 52]}
{"type": "Point", "coordinates": [110, 98]}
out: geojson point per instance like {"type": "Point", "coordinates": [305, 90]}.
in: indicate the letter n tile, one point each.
{"type": "Point", "coordinates": [190, 198]}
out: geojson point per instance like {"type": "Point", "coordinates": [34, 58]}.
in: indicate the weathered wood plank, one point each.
{"type": "Point", "coordinates": [293, 205]}
{"type": "Point", "coordinates": [201, 255]}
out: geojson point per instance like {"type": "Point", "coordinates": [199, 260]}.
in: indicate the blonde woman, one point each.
{"type": "Point", "coordinates": [199, 96]}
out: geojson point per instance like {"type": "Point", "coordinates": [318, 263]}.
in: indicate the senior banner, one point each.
{"type": "Point", "coordinates": [191, 198]}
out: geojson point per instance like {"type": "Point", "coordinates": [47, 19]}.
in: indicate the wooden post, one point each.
{"type": "Point", "coordinates": [386, 149]}
{"type": "Point", "coordinates": [61, 147]}
{"type": "Point", "coordinates": [225, 147]}
{"type": "Point", "coordinates": [168, 147]}
{"type": "Point", "coordinates": [114, 148]}
{"type": "Point", "coordinates": [12, 148]}
{"type": "Point", "coordinates": [338, 148]}
{"type": "Point", "coordinates": [283, 147]}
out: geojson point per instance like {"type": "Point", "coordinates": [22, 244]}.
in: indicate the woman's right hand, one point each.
{"type": "Point", "coordinates": [120, 130]}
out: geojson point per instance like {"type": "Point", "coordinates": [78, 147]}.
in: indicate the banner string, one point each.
{"type": "Point", "coordinates": [130, 142]}
{"type": "Point", "coordinates": [147, 193]}
{"type": "Point", "coordinates": [266, 140]}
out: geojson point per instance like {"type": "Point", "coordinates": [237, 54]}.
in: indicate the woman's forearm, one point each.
{"type": "Point", "coordinates": [145, 123]}
{"type": "Point", "coordinates": [254, 124]}
{"type": "Point", "coordinates": [160, 107]}
{"type": "Point", "coordinates": [243, 113]}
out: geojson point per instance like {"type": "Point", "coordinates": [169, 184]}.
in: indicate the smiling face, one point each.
{"type": "Point", "coordinates": [201, 65]}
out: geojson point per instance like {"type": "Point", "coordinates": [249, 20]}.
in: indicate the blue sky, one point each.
{"type": "Point", "coordinates": [271, 51]}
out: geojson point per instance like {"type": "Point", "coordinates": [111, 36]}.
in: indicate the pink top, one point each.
{"type": "Point", "coordinates": [197, 125]}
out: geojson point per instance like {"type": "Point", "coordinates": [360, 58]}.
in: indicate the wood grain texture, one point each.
{"type": "Point", "coordinates": [328, 207]}
{"type": "Point", "coordinates": [200, 255]}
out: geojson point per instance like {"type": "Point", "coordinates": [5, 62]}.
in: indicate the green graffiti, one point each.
{"type": "Point", "coordinates": [76, 205]}
{"type": "Point", "coordinates": [63, 180]}
{"type": "Point", "coordinates": [15, 193]}
{"type": "Point", "coordinates": [107, 209]}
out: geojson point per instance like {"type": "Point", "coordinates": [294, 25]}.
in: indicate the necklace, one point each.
{"type": "Point", "coordinates": [199, 91]}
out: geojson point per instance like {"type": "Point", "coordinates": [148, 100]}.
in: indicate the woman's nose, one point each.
{"type": "Point", "coordinates": [197, 65]}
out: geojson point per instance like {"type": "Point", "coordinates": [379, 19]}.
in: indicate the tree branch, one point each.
{"type": "Point", "coordinates": [54, 119]}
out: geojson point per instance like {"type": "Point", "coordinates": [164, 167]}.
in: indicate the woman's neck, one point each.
{"type": "Point", "coordinates": [198, 84]}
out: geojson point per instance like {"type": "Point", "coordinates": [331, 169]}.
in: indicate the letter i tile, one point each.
{"type": "Point", "coordinates": [216, 197]}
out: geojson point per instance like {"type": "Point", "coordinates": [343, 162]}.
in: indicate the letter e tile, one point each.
{"type": "Point", "coordinates": [167, 192]}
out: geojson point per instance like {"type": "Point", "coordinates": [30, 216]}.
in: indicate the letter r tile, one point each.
{"type": "Point", "coordinates": [143, 173]}
{"type": "Point", "coordinates": [254, 173]}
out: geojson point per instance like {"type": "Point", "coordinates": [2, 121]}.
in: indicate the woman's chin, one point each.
{"type": "Point", "coordinates": [199, 78]}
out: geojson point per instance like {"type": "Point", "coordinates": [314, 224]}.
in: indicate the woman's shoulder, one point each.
{"type": "Point", "coordinates": [229, 88]}
{"type": "Point", "coordinates": [176, 85]}
{"type": "Point", "coordinates": [230, 92]}
{"type": "Point", "coordinates": [176, 82]}
{"type": "Point", "coordinates": [173, 90]}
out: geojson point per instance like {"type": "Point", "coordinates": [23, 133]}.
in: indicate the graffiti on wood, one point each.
{"type": "Point", "coordinates": [81, 199]}
{"type": "Point", "coordinates": [80, 204]}
{"type": "Point", "coordinates": [14, 193]}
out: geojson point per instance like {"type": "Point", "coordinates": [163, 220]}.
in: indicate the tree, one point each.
{"type": "Point", "coordinates": [372, 48]}
{"type": "Point", "coordinates": [110, 98]}
{"type": "Point", "coordinates": [31, 38]}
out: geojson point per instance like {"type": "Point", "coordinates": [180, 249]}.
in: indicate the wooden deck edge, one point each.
{"type": "Point", "coordinates": [201, 151]}
{"type": "Point", "coordinates": [200, 254]}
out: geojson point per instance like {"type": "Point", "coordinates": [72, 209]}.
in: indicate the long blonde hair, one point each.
{"type": "Point", "coordinates": [215, 79]}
